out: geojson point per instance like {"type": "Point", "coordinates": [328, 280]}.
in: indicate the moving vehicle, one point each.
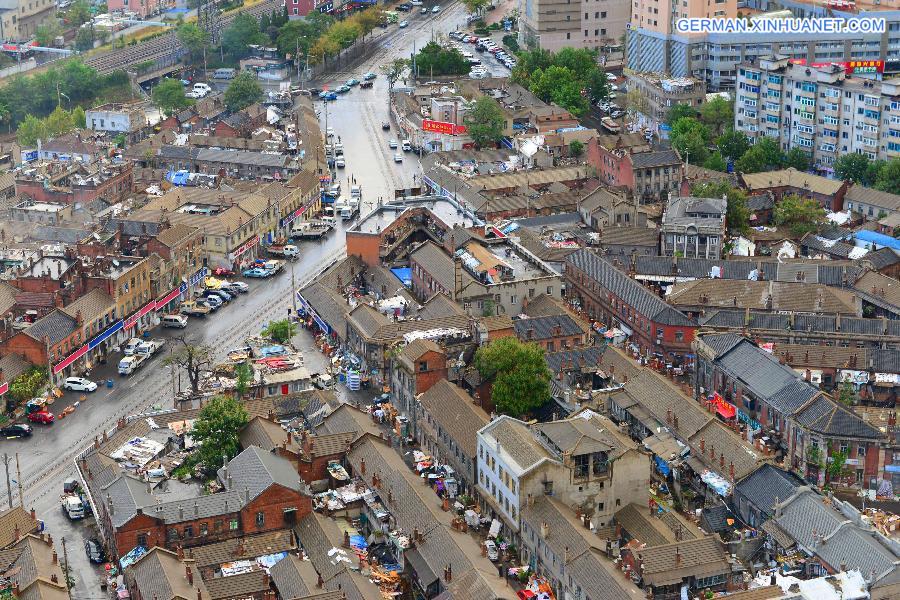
{"type": "Point", "coordinates": [403, 24]}
{"type": "Point", "coordinates": [273, 266]}
{"type": "Point", "coordinates": [343, 89]}
{"type": "Point", "coordinates": [94, 552]}
{"type": "Point", "coordinates": [424, 11]}
{"type": "Point", "coordinates": [224, 74]}
{"type": "Point", "coordinates": [333, 190]}
{"type": "Point", "coordinates": [326, 96]}
{"type": "Point", "coordinates": [340, 163]}
{"type": "Point", "coordinates": [351, 82]}
{"type": "Point", "coordinates": [385, 125]}
{"type": "Point", "coordinates": [416, 2]}
{"type": "Point", "coordinates": [16, 430]}
{"type": "Point", "coordinates": [491, 548]}
{"type": "Point", "coordinates": [356, 192]}
{"type": "Point", "coordinates": [435, 9]}
{"type": "Point", "coordinates": [369, 76]}
{"type": "Point", "coordinates": [366, 85]}
{"type": "Point", "coordinates": [192, 308]}
{"type": "Point", "coordinates": [257, 273]}
{"type": "Point", "coordinates": [174, 321]}
{"type": "Point", "coordinates": [393, 144]}
{"type": "Point", "coordinates": [311, 230]}
{"type": "Point", "coordinates": [41, 416]}
{"type": "Point", "coordinates": [406, 145]}
{"type": "Point", "coordinates": [80, 384]}
{"type": "Point", "coordinates": [200, 90]}
{"type": "Point", "coordinates": [130, 346]}
{"type": "Point", "coordinates": [130, 364]}
{"type": "Point", "coordinates": [398, 158]}
{"type": "Point", "coordinates": [285, 250]}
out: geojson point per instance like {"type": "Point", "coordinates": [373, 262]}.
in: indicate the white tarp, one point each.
{"type": "Point", "coordinates": [494, 531]}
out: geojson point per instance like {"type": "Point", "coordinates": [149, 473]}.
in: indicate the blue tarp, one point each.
{"type": "Point", "coordinates": [132, 557]}
{"type": "Point", "coordinates": [879, 239]}
{"type": "Point", "coordinates": [662, 466]}
{"type": "Point", "coordinates": [177, 177]}
{"type": "Point", "coordinates": [404, 274]}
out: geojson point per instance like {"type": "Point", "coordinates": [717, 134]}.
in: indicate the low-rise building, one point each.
{"type": "Point", "coordinates": [693, 227]}
{"type": "Point", "coordinates": [118, 119]}
{"type": "Point", "coordinates": [63, 182]}
{"type": "Point", "coordinates": [606, 207]}
{"type": "Point", "coordinates": [700, 295]}
{"type": "Point", "coordinates": [872, 204]}
{"type": "Point", "coordinates": [44, 213]}
{"type": "Point", "coordinates": [629, 242]}
{"type": "Point", "coordinates": [551, 332]}
{"type": "Point", "coordinates": [659, 93]}
{"type": "Point", "coordinates": [828, 193]}
{"type": "Point", "coordinates": [19, 20]}
{"type": "Point", "coordinates": [162, 574]}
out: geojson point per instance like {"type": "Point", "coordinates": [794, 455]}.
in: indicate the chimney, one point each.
{"type": "Point", "coordinates": [320, 582]}
{"type": "Point", "coordinates": [702, 446]}
{"type": "Point", "coordinates": [566, 556]}
{"type": "Point", "coordinates": [731, 471]}
{"type": "Point", "coordinates": [55, 558]}
{"type": "Point", "coordinates": [545, 529]}
{"type": "Point", "coordinates": [189, 574]}
{"type": "Point", "coordinates": [677, 556]}
{"type": "Point", "coordinates": [362, 466]}
{"type": "Point", "coordinates": [181, 513]}
{"type": "Point", "coordinates": [199, 597]}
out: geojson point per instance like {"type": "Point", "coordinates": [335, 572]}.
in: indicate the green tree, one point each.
{"type": "Point", "coordinates": [169, 96]}
{"type": "Point", "coordinates": [738, 216]}
{"type": "Point", "coordinates": [529, 62]}
{"type": "Point", "coordinates": [853, 167]}
{"type": "Point", "coordinates": [79, 12]}
{"type": "Point", "coordinates": [678, 111]}
{"type": "Point", "coordinates": [367, 20]}
{"type": "Point", "coordinates": [193, 38]}
{"type": "Point", "coordinates": [302, 33]}
{"type": "Point", "coordinates": [560, 86]}
{"type": "Point", "coordinates": [30, 131]}
{"type": "Point", "coordinates": [436, 60]}
{"type": "Point", "coordinates": [717, 114]}
{"type": "Point", "coordinates": [243, 375]}
{"type": "Point", "coordinates": [764, 155]}
{"type": "Point", "coordinates": [59, 122]}
{"type": "Point", "coordinates": [476, 6]}
{"type": "Point", "coordinates": [847, 393]}
{"type": "Point", "coordinates": [217, 431]}
{"type": "Point", "coordinates": [576, 148]}
{"type": "Point", "coordinates": [195, 360]}
{"type": "Point", "coordinates": [394, 69]}
{"type": "Point", "coordinates": [45, 35]}
{"type": "Point", "coordinates": [28, 385]}
{"type": "Point", "coordinates": [888, 179]}
{"type": "Point", "coordinates": [716, 162]}
{"type": "Point", "coordinates": [243, 91]}
{"type": "Point", "coordinates": [280, 331]}
{"type": "Point", "coordinates": [799, 215]}
{"type": "Point", "coordinates": [835, 468]}
{"type": "Point", "coordinates": [690, 137]}
{"type": "Point", "coordinates": [344, 33]}
{"type": "Point", "coordinates": [518, 373]}
{"type": "Point", "coordinates": [797, 158]}
{"type": "Point", "coordinates": [733, 144]}
{"type": "Point", "coordinates": [873, 170]}
{"type": "Point", "coordinates": [511, 42]}
{"type": "Point", "coordinates": [84, 39]}
{"type": "Point", "coordinates": [241, 34]}
{"type": "Point", "coordinates": [597, 83]}
{"type": "Point", "coordinates": [485, 122]}
{"type": "Point", "coordinates": [78, 118]}
{"type": "Point", "coordinates": [581, 61]}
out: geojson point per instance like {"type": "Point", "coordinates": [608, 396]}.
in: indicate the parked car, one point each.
{"type": "Point", "coordinates": [424, 11]}
{"type": "Point", "coordinates": [174, 321]}
{"type": "Point", "coordinates": [369, 76]}
{"type": "Point", "coordinates": [79, 384]}
{"type": "Point", "coordinates": [94, 552]}
{"type": "Point", "coordinates": [351, 82]}
{"type": "Point", "coordinates": [435, 9]}
{"type": "Point", "coordinates": [403, 24]}
{"type": "Point", "coordinates": [236, 286]}
{"type": "Point", "coordinates": [221, 294]}
{"type": "Point", "coordinates": [340, 163]}
{"type": "Point", "coordinates": [223, 271]}
{"type": "Point", "coordinates": [16, 430]}
{"type": "Point", "coordinates": [405, 7]}
{"type": "Point", "coordinates": [256, 272]}
{"type": "Point", "coordinates": [213, 302]}
{"type": "Point", "coordinates": [398, 158]}
{"type": "Point", "coordinates": [393, 144]}
{"type": "Point", "coordinates": [41, 416]}
{"type": "Point", "coordinates": [491, 548]}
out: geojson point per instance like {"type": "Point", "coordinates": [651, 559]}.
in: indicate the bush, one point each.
{"type": "Point", "coordinates": [511, 42]}
{"type": "Point", "coordinates": [481, 31]}
{"type": "Point", "coordinates": [494, 26]}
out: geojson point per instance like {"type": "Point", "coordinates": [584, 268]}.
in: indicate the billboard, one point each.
{"type": "Point", "coordinates": [442, 127]}
{"type": "Point", "coordinates": [853, 67]}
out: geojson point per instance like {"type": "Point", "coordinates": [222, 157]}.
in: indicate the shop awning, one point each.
{"type": "Point", "coordinates": [727, 411]}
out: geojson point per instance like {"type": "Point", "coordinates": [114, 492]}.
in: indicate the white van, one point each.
{"type": "Point", "coordinates": [224, 74]}
{"type": "Point", "coordinates": [174, 321]}
{"type": "Point", "coordinates": [406, 145]}
{"type": "Point", "coordinates": [130, 347]}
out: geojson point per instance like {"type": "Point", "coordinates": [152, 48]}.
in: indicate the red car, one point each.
{"type": "Point", "coordinates": [222, 271]}
{"type": "Point", "coordinates": [41, 416]}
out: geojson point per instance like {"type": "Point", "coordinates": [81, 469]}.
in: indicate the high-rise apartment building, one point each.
{"type": "Point", "coordinates": [655, 45]}
{"type": "Point", "coordinates": [556, 24]}
{"type": "Point", "coordinates": [823, 110]}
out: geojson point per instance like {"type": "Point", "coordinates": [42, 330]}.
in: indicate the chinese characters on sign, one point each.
{"type": "Point", "coordinates": [442, 127]}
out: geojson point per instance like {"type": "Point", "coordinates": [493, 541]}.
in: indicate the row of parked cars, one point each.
{"type": "Point", "coordinates": [484, 44]}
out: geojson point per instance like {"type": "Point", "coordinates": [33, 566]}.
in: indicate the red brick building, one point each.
{"type": "Point", "coordinates": [262, 493]}
{"type": "Point", "coordinates": [242, 123]}
{"type": "Point", "coordinates": [608, 295]}
{"type": "Point", "coordinates": [79, 184]}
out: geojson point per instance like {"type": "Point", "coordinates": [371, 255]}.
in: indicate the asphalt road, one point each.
{"type": "Point", "coordinates": [46, 459]}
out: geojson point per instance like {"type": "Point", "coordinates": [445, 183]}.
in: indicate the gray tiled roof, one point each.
{"type": "Point", "coordinates": [517, 441]}
{"type": "Point", "coordinates": [56, 325]}
{"type": "Point", "coordinates": [824, 415]}
{"type": "Point", "coordinates": [123, 497]}
{"type": "Point", "coordinates": [159, 574]}
{"type": "Point", "coordinates": [882, 258]}
{"type": "Point", "coordinates": [256, 471]}
{"type": "Point", "coordinates": [655, 158]}
{"type": "Point", "coordinates": [581, 357]}
{"type": "Point", "coordinates": [453, 409]}
{"type": "Point", "coordinates": [721, 342]}
{"type": "Point", "coordinates": [628, 290]}
{"type": "Point", "coordinates": [768, 486]}
{"type": "Point", "coordinates": [242, 157]}
{"type": "Point", "coordinates": [544, 328]}
{"type": "Point", "coordinates": [757, 369]}
{"type": "Point", "coordinates": [439, 265]}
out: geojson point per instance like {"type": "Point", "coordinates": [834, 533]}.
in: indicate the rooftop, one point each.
{"type": "Point", "coordinates": [791, 178]}
{"type": "Point", "coordinates": [445, 209]}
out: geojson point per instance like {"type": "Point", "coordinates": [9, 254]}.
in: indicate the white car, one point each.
{"type": "Point", "coordinates": [393, 144]}
{"type": "Point", "coordinates": [424, 11]}
{"type": "Point", "coordinates": [491, 550]}
{"type": "Point", "coordinates": [131, 345]}
{"type": "Point", "coordinates": [403, 24]}
{"type": "Point", "coordinates": [79, 384]}
{"type": "Point", "coordinates": [436, 9]}
{"type": "Point", "coordinates": [398, 158]}
{"type": "Point", "coordinates": [329, 132]}
{"type": "Point", "coordinates": [236, 286]}
{"type": "Point", "coordinates": [340, 163]}
{"type": "Point", "coordinates": [416, 2]}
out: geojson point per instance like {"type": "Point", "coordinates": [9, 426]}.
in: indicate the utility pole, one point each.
{"type": "Point", "coordinates": [6, 460]}
{"type": "Point", "coordinates": [293, 290]}
{"type": "Point", "coordinates": [66, 568]}
{"type": "Point", "coordinates": [19, 481]}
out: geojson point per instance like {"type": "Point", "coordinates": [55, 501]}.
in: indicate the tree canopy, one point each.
{"type": "Point", "coordinates": [691, 138]}
{"type": "Point", "coordinates": [733, 144]}
{"type": "Point", "coordinates": [280, 331]}
{"type": "Point", "coordinates": [434, 59]}
{"type": "Point", "coordinates": [888, 178]}
{"type": "Point", "coordinates": [559, 85]}
{"type": "Point", "coordinates": [678, 111]}
{"type": "Point", "coordinates": [217, 431]}
{"type": "Point", "coordinates": [764, 155]}
{"type": "Point", "coordinates": [169, 96]}
{"type": "Point", "coordinates": [797, 158]}
{"type": "Point", "coordinates": [518, 373]}
{"type": "Point", "coordinates": [561, 77]}
{"type": "Point", "coordinates": [799, 215]}
{"type": "Point", "coordinates": [193, 38]}
{"type": "Point", "coordinates": [243, 91]}
{"type": "Point", "coordinates": [853, 167]}
{"type": "Point", "coordinates": [485, 122]}
{"type": "Point", "coordinates": [241, 34]}
{"type": "Point", "coordinates": [301, 34]}
{"type": "Point", "coordinates": [717, 114]}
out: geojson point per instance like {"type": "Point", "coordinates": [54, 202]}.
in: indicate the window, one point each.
{"type": "Point", "coordinates": [423, 366]}
{"type": "Point", "coordinates": [142, 540]}
{"type": "Point", "coordinates": [233, 524]}
{"type": "Point", "coordinates": [861, 451]}
{"type": "Point", "coordinates": [260, 519]}
{"type": "Point", "coordinates": [679, 336]}
{"type": "Point", "coordinates": [581, 466]}
{"type": "Point", "coordinates": [189, 531]}
{"type": "Point", "coordinates": [204, 529]}
{"type": "Point", "coordinates": [659, 332]}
